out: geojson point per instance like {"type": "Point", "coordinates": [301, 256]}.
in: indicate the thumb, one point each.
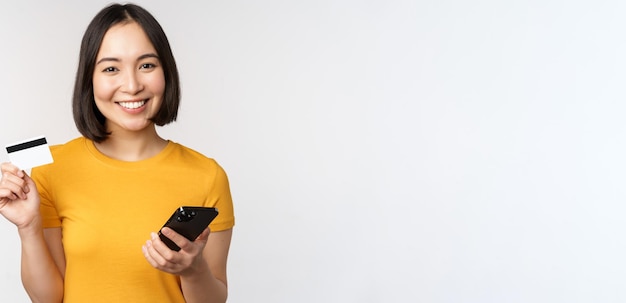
{"type": "Point", "coordinates": [204, 236]}
{"type": "Point", "coordinates": [30, 183]}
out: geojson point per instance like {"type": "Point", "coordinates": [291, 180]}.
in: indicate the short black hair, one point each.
{"type": "Point", "coordinates": [89, 120]}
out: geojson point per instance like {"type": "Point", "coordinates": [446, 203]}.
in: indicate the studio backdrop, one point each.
{"type": "Point", "coordinates": [378, 151]}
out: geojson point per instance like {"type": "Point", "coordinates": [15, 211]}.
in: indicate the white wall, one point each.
{"type": "Point", "coordinates": [379, 151]}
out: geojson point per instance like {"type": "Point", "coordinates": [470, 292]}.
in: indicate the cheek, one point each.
{"type": "Point", "coordinates": [158, 85]}
{"type": "Point", "coordinates": [102, 90]}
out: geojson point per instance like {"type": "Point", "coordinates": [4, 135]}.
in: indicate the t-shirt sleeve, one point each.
{"type": "Point", "coordinates": [220, 198]}
{"type": "Point", "coordinates": [49, 216]}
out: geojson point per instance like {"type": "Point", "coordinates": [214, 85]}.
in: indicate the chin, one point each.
{"type": "Point", "coordinates": [135, 127]}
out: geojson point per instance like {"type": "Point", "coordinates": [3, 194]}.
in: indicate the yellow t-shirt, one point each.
{"type": "Point", "coordinates": [107, 209]}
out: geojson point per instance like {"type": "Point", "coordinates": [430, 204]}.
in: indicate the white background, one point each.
{"type": "Point", "coordinates": [378, 151]}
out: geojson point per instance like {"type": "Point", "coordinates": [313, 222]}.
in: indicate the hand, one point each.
{"type": "Point", "coordinates": [184, 262]}
{"type": "Point", "coordinates": [19, 199]}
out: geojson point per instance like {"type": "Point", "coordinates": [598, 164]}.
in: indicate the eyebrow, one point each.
{"type": "Point", "coordinates": [113, 59]}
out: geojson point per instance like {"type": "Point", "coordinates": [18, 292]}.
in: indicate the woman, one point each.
{"type": "Point", "coordinates": [86, 222]}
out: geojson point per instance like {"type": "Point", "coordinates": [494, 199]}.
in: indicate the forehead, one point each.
{"type": "Point", "coordinates": [125, 39]}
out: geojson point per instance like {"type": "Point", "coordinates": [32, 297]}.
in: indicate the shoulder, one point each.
{"type": "Point", "coordinates": [193, 163]}
{"type": "Point", "coordinates": [62, 155]}
{"type": "Point", "coordinates": [185, 153]}
{"type": "Point", "coordinates": [70, 154]}
{"type": "Point", "coordinates": [68, 147]}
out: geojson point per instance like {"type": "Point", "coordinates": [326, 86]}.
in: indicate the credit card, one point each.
{"type": "Point", "coordinates": [30, 153]}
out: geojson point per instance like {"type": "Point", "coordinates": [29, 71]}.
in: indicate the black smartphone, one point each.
{"type": "Point", "coordinates": [189, 221]}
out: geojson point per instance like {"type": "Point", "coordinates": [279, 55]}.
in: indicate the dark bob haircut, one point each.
{"type": "Point", "coordinates": [89, 120]}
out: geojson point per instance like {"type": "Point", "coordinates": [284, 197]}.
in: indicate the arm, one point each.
{"type": "Point", "coordinates": [201, 264]}
{"type": "Point", "coordinates": [19, 203]}
{"type": "Point", "coordinates": [41, 275]}
{"type": "Point", "coordinates": [209, 278]}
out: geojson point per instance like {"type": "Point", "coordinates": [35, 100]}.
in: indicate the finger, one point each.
{"type": "Point", "coordinates": [13, 177]}
{"type": "Point", "coordinates": [8, 167]}
{"type": "Point", "coordinates": [152, 255]}
{"type": "Point", "coordinates": [29, 183]}
{"type": "Point", "coordinates": [177, 238]}
{"type": "Point", "coordinates": [13, 183]}
{"type": "Point", "coordinates": [147, 255]}
{"type": "Point", "coordinates": [164, 255]}
{"type": "Point", "coordinates": [7, 194]}
{"type": "Point", "coordinates": [204, 236]}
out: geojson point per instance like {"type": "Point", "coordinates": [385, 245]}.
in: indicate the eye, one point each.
{"type": "Point", "coordinates": [110, 69]}
{"type": "Point", "coordinates": [147, 66]}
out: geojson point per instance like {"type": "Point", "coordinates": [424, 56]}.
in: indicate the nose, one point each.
{"type": "Point", "coordinates": [132, 83]}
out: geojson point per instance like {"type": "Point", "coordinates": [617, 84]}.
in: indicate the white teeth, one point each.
{"type": "Point", "coordinates": [132, 105]}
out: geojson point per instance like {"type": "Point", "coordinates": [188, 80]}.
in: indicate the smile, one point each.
{"type": "Point", "coordinates": [132, 104]}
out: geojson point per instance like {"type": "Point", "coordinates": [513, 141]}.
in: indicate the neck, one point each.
{"type": "Point", "coordinates": [132, 146]}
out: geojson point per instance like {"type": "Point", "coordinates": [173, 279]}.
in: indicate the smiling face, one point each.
{"type": "Point", "coordinates": [128, 79]}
